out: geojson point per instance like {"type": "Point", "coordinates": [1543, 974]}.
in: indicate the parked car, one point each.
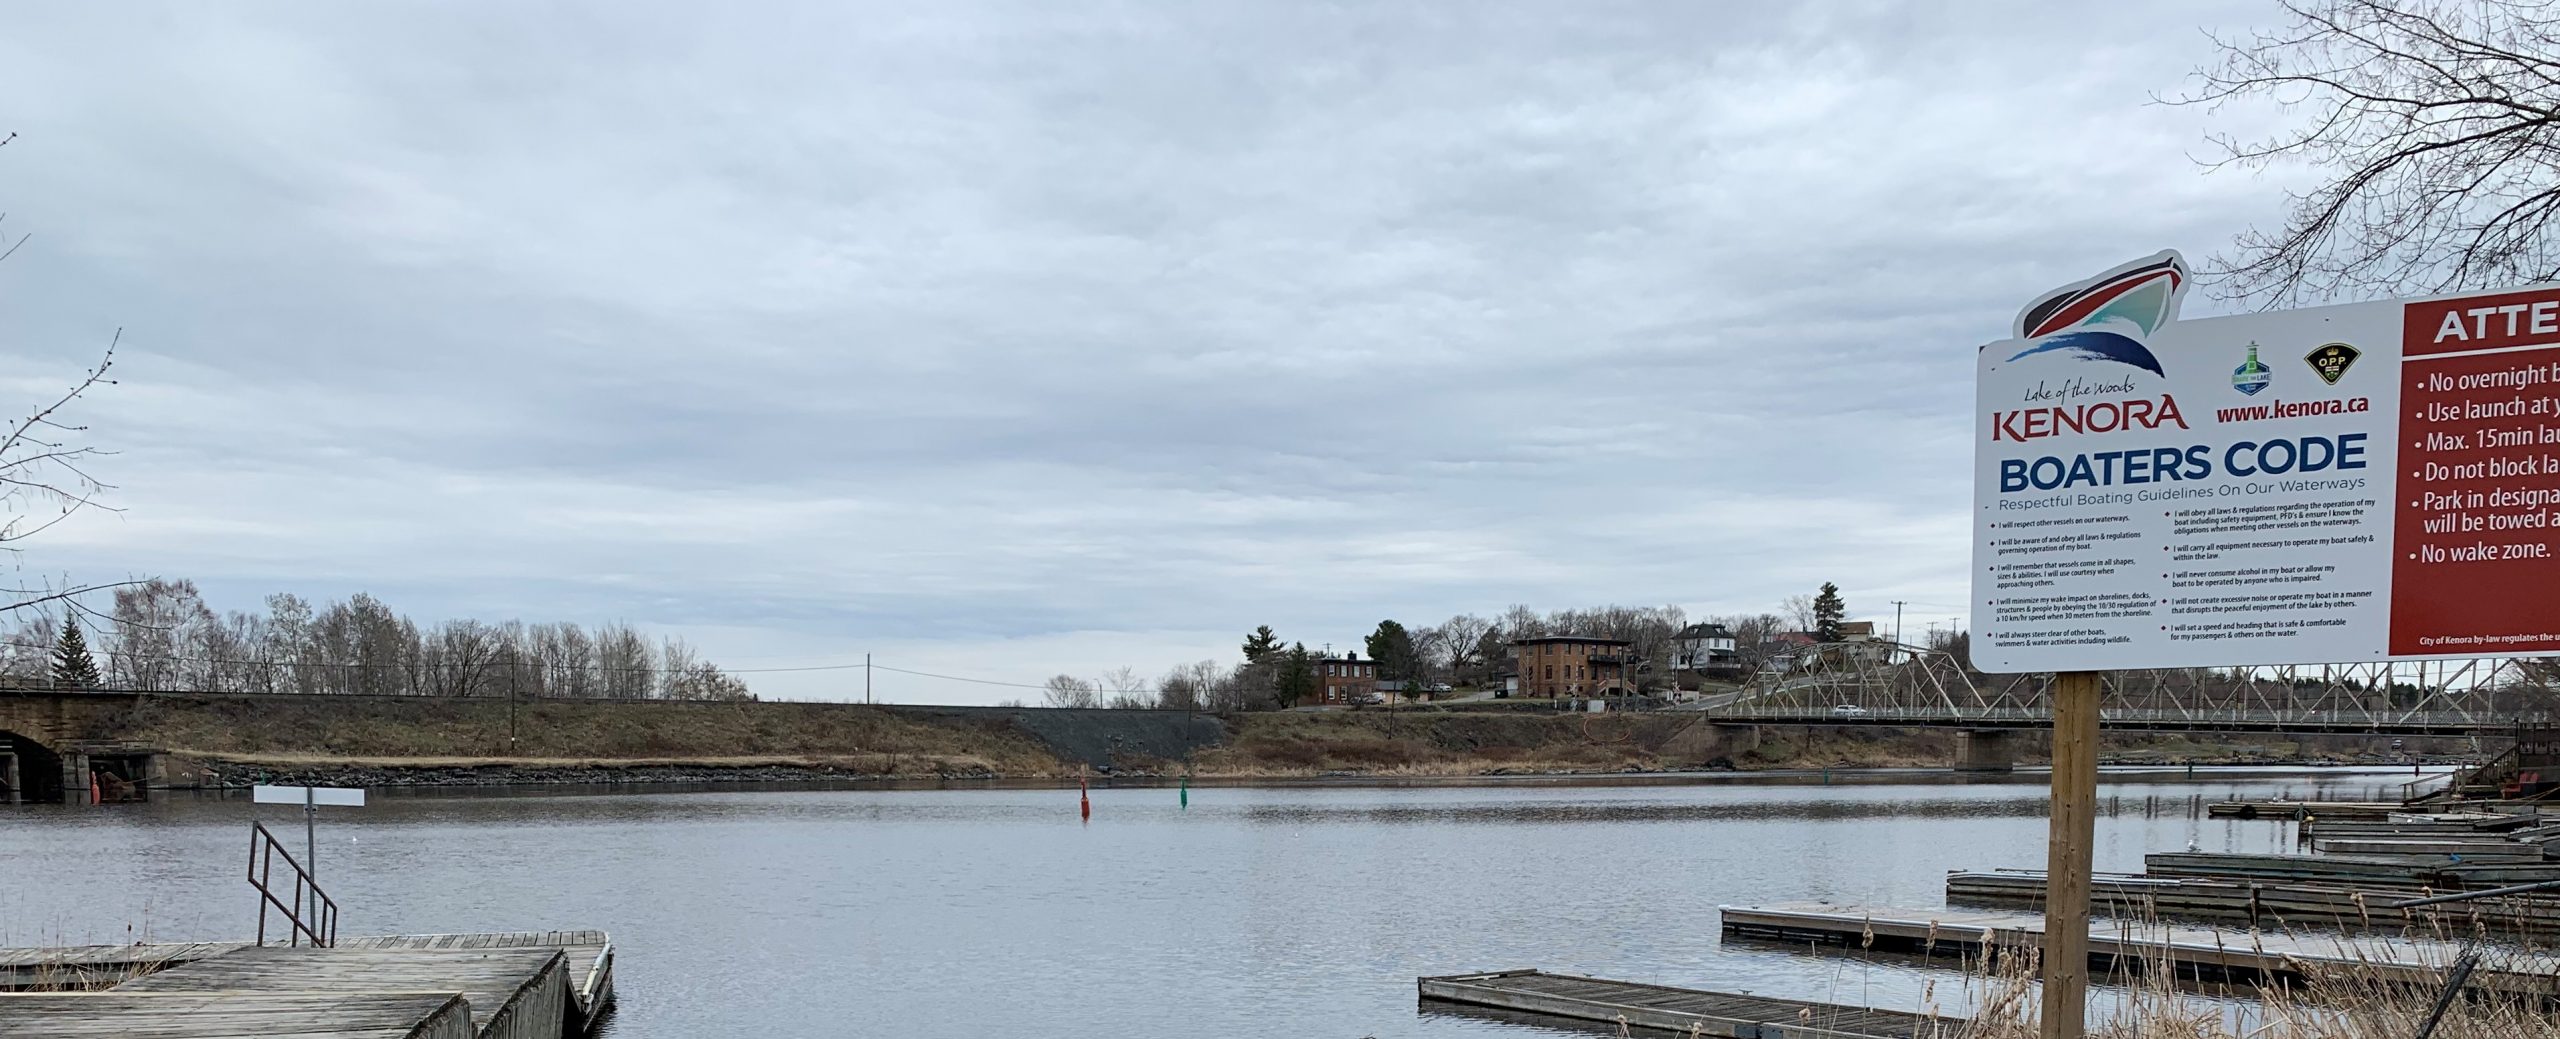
{"type": "Point", "coordinates": [1849, 710]}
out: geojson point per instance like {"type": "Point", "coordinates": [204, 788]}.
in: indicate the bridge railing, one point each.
{"type": "Point", "coordinates": [2202, 718]}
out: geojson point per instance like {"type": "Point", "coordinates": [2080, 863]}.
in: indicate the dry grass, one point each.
{"type": "Point", "coordinates": [461, 733]}
{"type": "Point", "coordinates": [70, 976]}
{"type": "Point", "coordinates": [2332, 1002]}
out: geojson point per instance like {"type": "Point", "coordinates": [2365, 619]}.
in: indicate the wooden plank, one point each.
{"type": "Point", "coordinates": [1675, 1009]}
{"type": "Point", "coordinates": [234, 1015]}
{"type": "Point", "coordinates": [495, 982]}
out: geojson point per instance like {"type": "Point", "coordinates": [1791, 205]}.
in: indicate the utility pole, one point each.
{"type": "Point", "coordinates": [866, 678]}
{"type": "Point", "coordinates": [1897, 627]}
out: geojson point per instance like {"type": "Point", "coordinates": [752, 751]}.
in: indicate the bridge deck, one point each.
{"type": "Point", "coordinates": [2379, 723]}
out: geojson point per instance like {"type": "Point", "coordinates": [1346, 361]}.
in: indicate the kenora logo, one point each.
{"type": "Point", "coordinates": [2106, 318]}
{"type": "Point", "coordinates": [2106, 416]}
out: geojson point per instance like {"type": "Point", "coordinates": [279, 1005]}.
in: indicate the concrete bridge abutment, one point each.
{"type": "Point", "coordinates": [1986, 750]}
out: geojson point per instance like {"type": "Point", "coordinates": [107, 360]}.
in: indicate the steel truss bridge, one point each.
{"type": "Point", "coordinates": [1912, 686]}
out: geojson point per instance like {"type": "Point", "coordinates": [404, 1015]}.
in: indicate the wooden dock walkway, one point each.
{"type": "Point", "coordinates": [1681, 1010]}
{"type": "Point", "coordinates": [2267, 903]}
{"type": "Point", "coordinates": [509, 985]}
{"type": "Point", "coordinates": [287, 1015]}
{"type": "Point", "coordinates": [2358, 870]}
{"type": "Point", "coordinates": [2193, 952]}
{"type": "Point", "coordinates": [2273, 809]}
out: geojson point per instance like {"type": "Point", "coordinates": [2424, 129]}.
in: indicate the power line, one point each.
{"type": "Point", "coordinates": [972, 681]}
{"type": "Point", "coordinates": [538, 665]}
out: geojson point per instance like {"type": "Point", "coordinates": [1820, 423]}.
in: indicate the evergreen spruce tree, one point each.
{"type": "Point", "coordinates": [72, 666]}
{"type": "Point", "coordinates": [1261, 645]}
{"type": "Point", "coordinates": [1827, 611]}
{"type": "Point", "coordinates": [1392, 647]}
{"type": "Point", "coordinates": [1297, 677]}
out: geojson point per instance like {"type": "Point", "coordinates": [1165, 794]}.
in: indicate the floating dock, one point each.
{"type": "Point", "coordinates": [1686, 1011]}
{"type": "Point", "coordinates": [514, 985]}
{"type": "Point", "coordinates": [2132, 946]}
{"type": "Point", "coordinates": [2303, 809]}
{"type": "Point", "coordinates": [2276, 903]}
{"type": "Point", "coordinates": [2437, 873]}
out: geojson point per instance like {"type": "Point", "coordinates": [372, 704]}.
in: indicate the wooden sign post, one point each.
{"type": "Point", "coordinates": [2068, 855]}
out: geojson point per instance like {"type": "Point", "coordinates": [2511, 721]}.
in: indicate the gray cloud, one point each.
{"type": "Point", "coordinates": [1013, 338]}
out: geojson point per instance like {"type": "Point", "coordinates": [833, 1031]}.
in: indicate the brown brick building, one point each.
{"type": "Point", "coordinates": [1342, 681]}
{"type": "Point", "coordinates": [1571, 665]}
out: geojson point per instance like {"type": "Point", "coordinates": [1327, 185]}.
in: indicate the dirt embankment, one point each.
{"type": "Point", "coordinates": [1421, 743]}
{"type": "Point", "coordinates": [242, 738]}
{"type": "Point", "coordinates": [396, 740]}
{"type": "Point", "coordinates": [1488, 743]}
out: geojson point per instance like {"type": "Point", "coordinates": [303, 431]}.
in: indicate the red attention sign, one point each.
{"type": "Point", "coordinates": [2444, 326]}
{"type": "Point", "coordinates": [2473, 570]}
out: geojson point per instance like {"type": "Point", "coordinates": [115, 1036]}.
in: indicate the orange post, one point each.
{"type": "Point", "coordinates": [1084, 797]}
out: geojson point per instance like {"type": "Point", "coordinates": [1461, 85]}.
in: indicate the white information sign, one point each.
{"type": "Point", "coordinates": [2361, 482]}
{"type": "Point", "coordinates": [349, 797]}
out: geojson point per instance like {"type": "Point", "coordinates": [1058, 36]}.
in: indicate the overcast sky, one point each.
{"type": "Point", "coordinates": [1004, 340]}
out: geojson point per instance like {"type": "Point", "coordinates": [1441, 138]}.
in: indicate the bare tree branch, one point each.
{"type": "Point", "coordinates": [2436, 125]}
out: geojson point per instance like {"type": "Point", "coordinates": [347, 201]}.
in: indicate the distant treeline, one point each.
{"type": "Point", "coordinates": [1465, 650]}
{"type": "Point", "coordinates": [161, 636]}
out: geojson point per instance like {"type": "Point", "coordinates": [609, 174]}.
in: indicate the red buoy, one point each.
{"type": "Point", "coordinates": [1084, 797]}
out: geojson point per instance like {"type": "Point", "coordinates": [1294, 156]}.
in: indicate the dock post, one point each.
{"type": "Point", "coordinates": [2067, 855]}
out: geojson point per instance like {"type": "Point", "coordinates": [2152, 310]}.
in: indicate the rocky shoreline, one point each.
{"type": "Point", "coordinates": [242, 776]}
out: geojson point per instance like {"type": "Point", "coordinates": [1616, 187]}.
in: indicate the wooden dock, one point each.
{"type": "Point", "coordinates": [1681, 1010]}
{"type": "Point", "coordinates": [513, 985]}
{"type": "Point", "coordinates": [2132, 946]}
{"type": "Point", "coordinates": [2303, 809]}
{"type": "Point", "coordinates": [2267, 903]}
{"type": "Point", "coordinates": [2356, 870]}
{"type": "Point", "coordinates": [291, 1015]}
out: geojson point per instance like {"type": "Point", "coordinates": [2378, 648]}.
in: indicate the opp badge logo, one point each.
{"type": "Point", "coordinates": [2331, 361]}
{"type": "Point", "coordinates": [2252, 375]}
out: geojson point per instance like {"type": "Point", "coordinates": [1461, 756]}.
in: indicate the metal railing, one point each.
{"type": "Point", "coordinates": [2197, 717]}
{"type": "Point", "coordinates": [311, 914]}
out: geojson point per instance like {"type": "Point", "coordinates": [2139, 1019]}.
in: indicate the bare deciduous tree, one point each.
{"type": "Point", "coordinates": [1192, 687]}
{"type": "Point", "coordinates": [44, 469]}
{"type": "Point", "coordinates": [1070, 691]}
{"type": "Point", "coordinates": [2436, 127]}
{"type": "Point", "coordinates": [1127, 690]}
{"type": "Point", "coordinates": [1459, 644]}
{"type": "Point", "coordinates": [1797, 610]}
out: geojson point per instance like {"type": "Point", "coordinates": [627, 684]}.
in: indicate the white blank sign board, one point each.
{"type": "Point", "coordinates": [318, 795]}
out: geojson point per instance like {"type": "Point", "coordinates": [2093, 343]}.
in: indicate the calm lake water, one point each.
{"type": "Point", "coordinates": [1300, 911]}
